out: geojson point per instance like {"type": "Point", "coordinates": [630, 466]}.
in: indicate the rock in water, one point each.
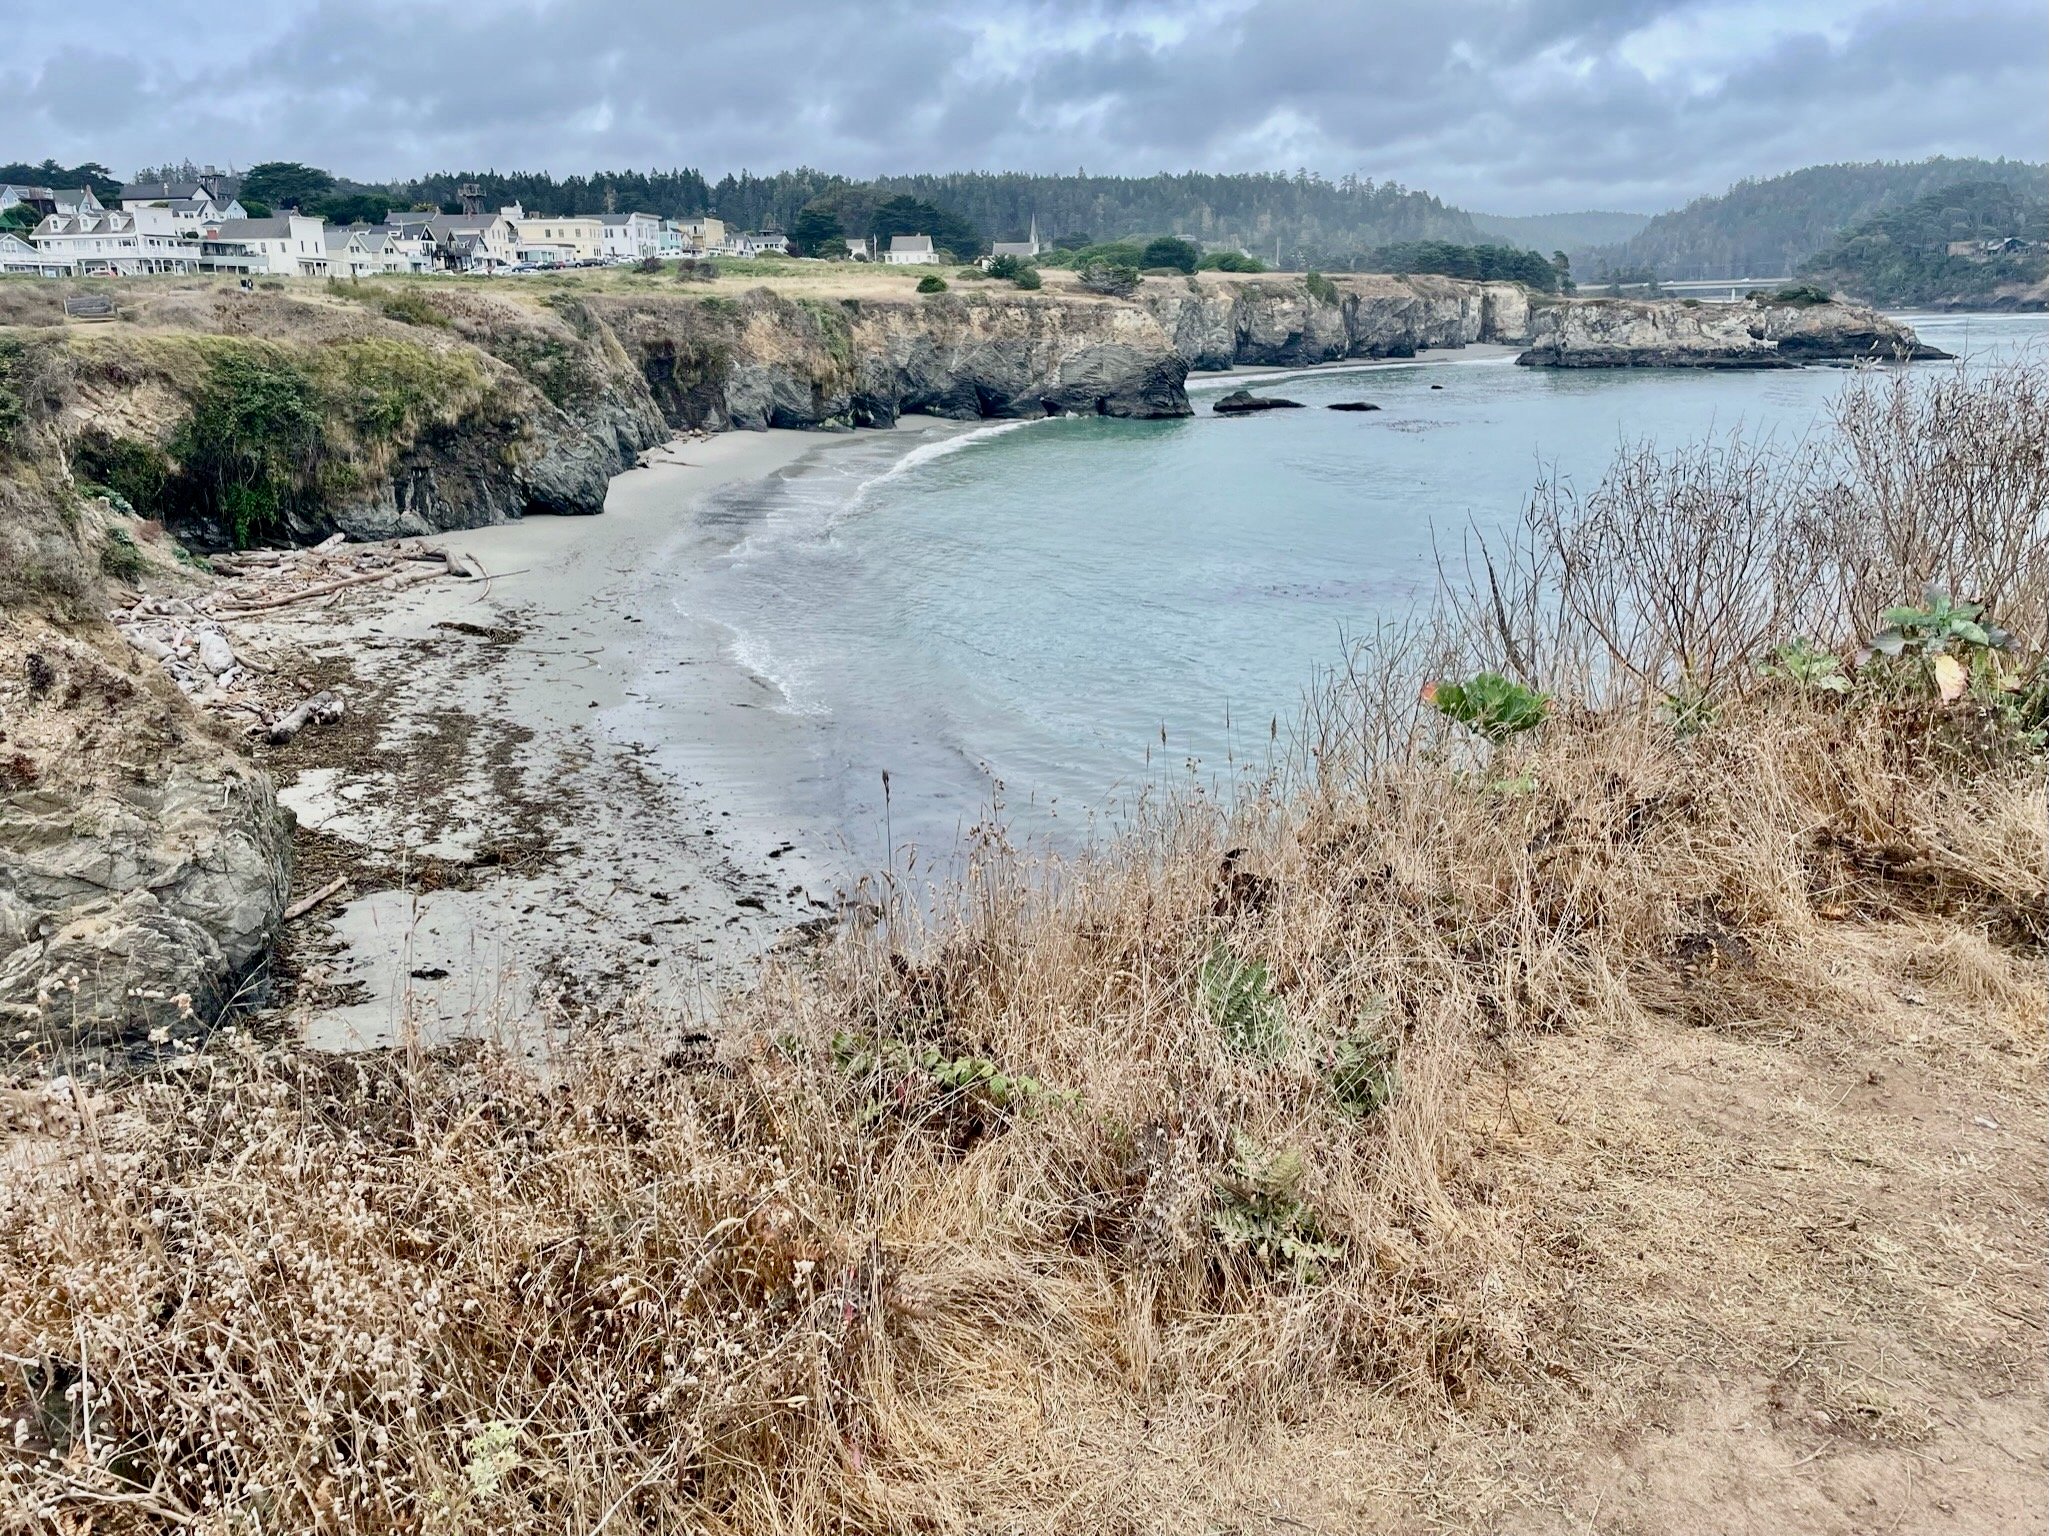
{"type": "Point", "coordinates": [1353, 405]}
{"type": "Point", "coordinates": [1241, 402]}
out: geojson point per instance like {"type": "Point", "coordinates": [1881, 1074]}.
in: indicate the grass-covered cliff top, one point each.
{"type": "Point", "coordinates": [38, 302]}
{"type": "Point", "coordinates": [1600, 1082]}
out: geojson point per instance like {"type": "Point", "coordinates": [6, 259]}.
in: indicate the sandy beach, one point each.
{"type": "Point", "coordinates": [515, 855]}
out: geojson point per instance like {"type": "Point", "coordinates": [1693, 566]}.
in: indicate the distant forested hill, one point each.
{"type": "Point", "coordinates": [1573, 233]}
{"type": "Point", "coordinates": [1768, 228]}
{"type": "Point", "coordinates": [1305, 212]}
{"type": "Point", "coordinates": [1903, 256]}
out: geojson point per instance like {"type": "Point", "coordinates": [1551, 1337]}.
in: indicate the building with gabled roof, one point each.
{"type": "Point", "coordinates": [911, 251]}
{"type": "Point", "coordinates": [122, 241]}
{"type": "Point", "coordinates": [285, 245]}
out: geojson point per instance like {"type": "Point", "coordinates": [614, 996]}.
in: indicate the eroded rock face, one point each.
{"type": "Point", "coordinates": [143, 862]}
{"type": "Point", "coordinates": [766, 361]}
{"type": "Point", "coordinates": [1277, 321]}
{"type": "Point", "coordinates": [1639, 333]}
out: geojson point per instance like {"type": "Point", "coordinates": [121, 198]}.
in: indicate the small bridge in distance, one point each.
{"type": "Point", "coordinates": [1693, 287]}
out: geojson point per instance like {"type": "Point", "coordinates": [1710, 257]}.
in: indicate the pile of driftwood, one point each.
{"type": "Point", "coordinates": [233, 676]}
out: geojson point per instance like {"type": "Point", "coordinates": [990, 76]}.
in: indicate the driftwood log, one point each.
{"type": "Point", "coordinates": [306, 904]}
{"type": "Point", "coordinates": [324, 708]}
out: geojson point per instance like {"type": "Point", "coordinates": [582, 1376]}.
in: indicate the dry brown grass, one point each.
{"type": "Point", "coordinates": [1648, 989]}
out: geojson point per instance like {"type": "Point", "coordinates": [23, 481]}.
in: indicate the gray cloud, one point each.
{"type": "Point", "coordinates": [1494, 104]}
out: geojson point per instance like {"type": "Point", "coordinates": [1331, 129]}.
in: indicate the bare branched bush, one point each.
{"type": "Point", "coordinates": [1681, 569]}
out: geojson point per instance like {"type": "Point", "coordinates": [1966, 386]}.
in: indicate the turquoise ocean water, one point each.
{"type": "Point", "coordinates": [1057, 614]}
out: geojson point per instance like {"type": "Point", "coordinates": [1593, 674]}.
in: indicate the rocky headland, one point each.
{"type": "Point", "coordinates": [1655, 333]}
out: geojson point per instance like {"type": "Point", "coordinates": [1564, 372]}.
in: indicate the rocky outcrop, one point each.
{"type": "Point", "coordinates": [1637, 333]}
{"type": "Point", "coordinates": [1217, 323]}
{"type": "Point", "coordinates": [767, 361]}
{"type": "Point", "coordinates": [143, 861]}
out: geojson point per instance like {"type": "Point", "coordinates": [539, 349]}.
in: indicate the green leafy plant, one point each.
{"type": "Point", "coordinates": [1955, 645]}
{"type": "Point", "coordinates": [1260, 1211]}
{"type": "Point", "coordinates": [1490, 705]}
{"type": "Point", "coordinates": [119, 558]}
{"type": "Point", "coordinates": [931, 282]}
{"type": "Point", "coordinates": [1689, 708]}
{"type": "Point", "coordinates": [1321, 288]}
{"type": "Point", "coordinates": [1362, 1074]}
{"type": "Point", "coordinates": [1028, 278]}
{"type": "Point", "coordinates": [971, 1076]}
{"type": "Point", "coordinates": [1938, 625]}
{"type": "Point", "coordinates": [1806, 665]}
{"type": "Point", "coordinates": [251, 441]}
{"type": "Point", "coordinates": [1238, 996]}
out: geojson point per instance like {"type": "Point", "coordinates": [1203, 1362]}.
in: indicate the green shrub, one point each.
{"type": "Point", "coordinates": [1170, 251]}
{"type": "Point", "coordinates": [1230, 261]}
{"type": "Point", "coordinates": [1362, 1075]}
{"type": "Point", "coordinates": [408, 306]}
{"type": "Point", "coordinates": [1800, 295]}
{"type": "Point", "coordinates": [692, 270]}
{"type": "Point", "coordinates": [1321, 288]}
{"type": "Point", "coordinates": [973, 1078]}
{"type": "Point", "coordinates": [119, 558]}
{"type": "Point", "coordinates": [931, 282]}
{"type": "Point", "coordinates": [1115, 253]}
{"type": "Point", "coordinates": [15, 389]}
{"type": "Point", "coordinates": [1260, 1211]}
{"type": "Point", "coordinates": [1029, 280]}
{"type": "Point", "coordinates": [1807, 666]}
{"type": "Point", "coordinates": [1238, 996]}
{"type": "Point", "coordinates": [1115, 279]}
{"type": "Point", "coordinates": [1490, 705]}
{"type": "Point", "coordinates": [251, 441]}
{"type": "Point", "coordinates": [1004, 266]}
{"type": "Point", "coordinates": [136, 471]}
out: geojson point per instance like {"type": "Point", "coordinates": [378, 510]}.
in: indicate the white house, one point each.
{"type": "Point", "coordinates": [911, 251]}
{"type": "Point", "coordinates": [761, 242]}
{"type": "Point", "coordinates": [213, 185]}
{"type": "Point", "coordinates": [194, 216]}
{"type": "Point", "coordinates": [288, 245]}
{"type": "Point", "coordinates": [20, 258]}
{"type": "Point", "coordinates": [122, 242]}
{"type": "Point", "coordinates": [630, 235]}
{"type": "Point", "coordinates": [70, 202]}
{"type": "Point", "coordinates": [366, 250]}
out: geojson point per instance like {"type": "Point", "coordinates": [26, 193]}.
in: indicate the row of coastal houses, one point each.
{"type": "Point", "coordinates": [200, 225]}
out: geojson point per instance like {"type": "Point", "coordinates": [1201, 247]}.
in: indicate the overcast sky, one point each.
{"type": "Point", "coordinates": [1540, 106]}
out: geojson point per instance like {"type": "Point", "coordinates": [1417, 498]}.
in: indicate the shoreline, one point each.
{"type": "Point", "coordinates": [516, 848]}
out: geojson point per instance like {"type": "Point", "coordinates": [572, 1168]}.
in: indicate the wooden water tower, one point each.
{"type": "Point", "coordinates": [472, 197]}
